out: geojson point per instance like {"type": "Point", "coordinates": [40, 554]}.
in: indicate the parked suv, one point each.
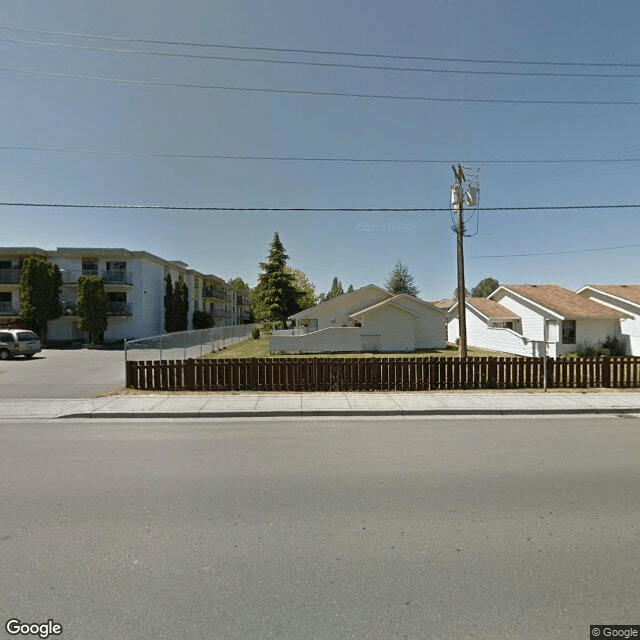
{"type": "Point", "coordinates": [18, 342]}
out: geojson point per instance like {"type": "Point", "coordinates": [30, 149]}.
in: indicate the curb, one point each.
{"type": "Point", "coordinates": [346, 413]}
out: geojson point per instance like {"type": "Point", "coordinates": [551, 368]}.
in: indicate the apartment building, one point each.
{"type": "Point", "coordinates": [134, 282]}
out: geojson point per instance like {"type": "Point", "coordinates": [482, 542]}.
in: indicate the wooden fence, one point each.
{"type": "Point", "coordinates": [381, 374]}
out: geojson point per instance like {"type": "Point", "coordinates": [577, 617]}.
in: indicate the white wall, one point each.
{"type": "Point", "coordinates": [340, 308]}
{"type": "Point", "coordinates": [395, 327]}
{"type": "Point", "coordinates": [331, 340]}
{"type": "Point", "coordinates": [629, 328]}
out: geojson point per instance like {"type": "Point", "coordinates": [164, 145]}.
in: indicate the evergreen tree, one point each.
{"type": "Point", "coordinates": [401, 281]}
{"type": "Point", "coordinates": [169, 305]}
{"type": "Point", "coordinates": [275, 297]}
{"type": "Point", "coordinates": [92, 307]}
{"type": "Point", "coordinates": [350, 289]}
{"type": "Point", "coordinates": [336, 289]}
{"type": "Point", "coordinates": [485, 288]}
{"type": "Point", "coordinates": [237, 283]}
{"type": "Point", "coordinates": [40, 283]}
{"type": "Point", "coordinates": [180, 306]}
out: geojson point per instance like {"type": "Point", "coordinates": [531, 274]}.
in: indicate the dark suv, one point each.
{"type": "Point", "coordinates": [18, 342]}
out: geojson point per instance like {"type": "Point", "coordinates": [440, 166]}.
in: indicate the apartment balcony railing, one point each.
{"type": "Point", "coordinates": [7, 309]}
{"type": "Point", "coordinates": [117, 277]}
{"type": "Point", "coordinates": [220, 313]}
{"type": "Point", "coordinates": [9, 276]}
{"type": "Point", "coordinates": [108, 277]}
{"type": "Point", "coordinates": [210, 292]}
{"type": "Point", "coordinates": [119, 309]}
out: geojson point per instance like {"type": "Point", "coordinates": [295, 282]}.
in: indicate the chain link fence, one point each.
{"type": "Point", "coordinates": [181, 345]}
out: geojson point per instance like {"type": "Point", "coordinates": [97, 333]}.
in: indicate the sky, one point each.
{"type": "Point", "coordinates": [508, 143]}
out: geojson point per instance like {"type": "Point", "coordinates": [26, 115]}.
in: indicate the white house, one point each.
{"type": "Point", "coordinates": [134, 283]}
{"type": "Point", "coordinates": [515, 318]}
{"type": "Point", "coordinates": [624, 298]}
{"type": "Point", "coordinates": [367, 319]}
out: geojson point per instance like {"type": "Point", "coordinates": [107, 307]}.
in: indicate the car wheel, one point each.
{"type": "Point", "coordinates": [28, 355]}
{"type": "Point", "coordinates": [5, 354]}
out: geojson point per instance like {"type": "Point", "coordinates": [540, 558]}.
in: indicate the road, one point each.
{"type": "Point", "coordinates": [376, 529]}
{"type": "Point", "coordinates": [62, 373]}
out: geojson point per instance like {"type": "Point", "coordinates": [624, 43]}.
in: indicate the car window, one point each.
{"type": "Point", "coordinates": [6, 337]}
{"type": "Point", "coordinates": [27, 336]}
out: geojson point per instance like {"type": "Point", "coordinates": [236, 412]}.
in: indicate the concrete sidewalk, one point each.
{"type": "Point", "coordinates": [257, 405]}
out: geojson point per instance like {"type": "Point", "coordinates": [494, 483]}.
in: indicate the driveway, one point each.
{"type": "Point", "coordinates": [62, 373]}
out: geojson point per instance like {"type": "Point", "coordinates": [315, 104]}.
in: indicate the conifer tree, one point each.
{"type": "Point", "coordinates": [275, 297]}
{"type": "Point", "coordinates": [40, 283]}
{"type": "Point", "coordinates": [401, 281]}
{"type": "Point", "coordinates": [92, 307]}
{"type": "Point", "coordinates": [336, 288]}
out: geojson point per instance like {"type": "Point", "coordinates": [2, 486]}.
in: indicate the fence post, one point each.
{"type": "Point", "coordinates": [605, 371]}
{"type": "Point", "coordinates": [190, 374]}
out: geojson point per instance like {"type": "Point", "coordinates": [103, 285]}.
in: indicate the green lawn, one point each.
{"type": "Point", "coordinates": [260, 349]}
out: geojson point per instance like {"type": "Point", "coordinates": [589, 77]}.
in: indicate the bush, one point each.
{"type": "Point", "coordinates": [255, 333]}
{"type": "Point", "coordinates": [202, 320]}
{"type": "Point", "coordinates": [615, 346]}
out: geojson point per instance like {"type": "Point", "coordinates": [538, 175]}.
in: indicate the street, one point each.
{"type": "Point", "coordinates": [365, 528]}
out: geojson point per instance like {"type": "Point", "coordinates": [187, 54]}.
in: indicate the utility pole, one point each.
{"type": "Point", "coordinates": [456, 201]}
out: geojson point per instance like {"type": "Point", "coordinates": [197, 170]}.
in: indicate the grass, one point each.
{"type": "Point", "coordinates": [260, 349]}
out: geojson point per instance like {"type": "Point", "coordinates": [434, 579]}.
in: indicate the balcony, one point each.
{"type": "Point", "coordinates": [119, 309]}
{"type": "Point", "coordinates": [9, 276]}
{"type": "Point", "coordinates": [117, 276]}
{"type": "Point", "coordinates": [108, 277]}
{"type": "Point", "coordinates": [210, 292]}
{"type": "Point", "coordinates": [7, 309]}
{"type": "Point", "coordinates": [219, 313]}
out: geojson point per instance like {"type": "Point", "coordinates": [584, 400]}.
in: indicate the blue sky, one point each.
{"type": "Point", "coordinates": [55, 112]}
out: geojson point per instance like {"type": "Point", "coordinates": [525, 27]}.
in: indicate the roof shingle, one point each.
{"type": "Point", "coordinates": [564, 302]}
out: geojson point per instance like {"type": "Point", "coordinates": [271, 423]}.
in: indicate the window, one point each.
{"type": "Point", "coordinates": [5, 264]}
{"type": "Point", "coordinates": [116, 265]}
{"type": "Point", "coordinates": [5, 296]}
{"type": "Point", "coordinates": [569, 332]}
{"type": "Point", "coordinates": [89, 266]}
{"type": "Point", "coordinates": [117, 297]}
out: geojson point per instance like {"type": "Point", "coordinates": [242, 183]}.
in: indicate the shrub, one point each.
{"type": "Point", "coordinates": [255, 333]}
{"type": "Point", "coordinates": [615, 346]}
{"type": "Point", "coordinates": [202, 320]}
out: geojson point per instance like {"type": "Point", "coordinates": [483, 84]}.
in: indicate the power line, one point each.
{"type": "Point", "coordinates": [309, 92]}
{"type": "Point", "coordinates": [209, 156]}
{"type": "Point", "coordinates": [307, 209]}
{"type": "Point", "coordinates": [323, 64]}
{"type": "Point", "coordinates": [319, 51]}
{"type": "Point", "coordinates": [553, 253]}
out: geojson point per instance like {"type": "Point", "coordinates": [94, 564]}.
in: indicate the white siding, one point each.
{"type": "Point", "coordinates": [481, 336]}
{"type": "Point", "coordinates": [629, 328]}
{"type": "Point", "coordinates": [336, 312]}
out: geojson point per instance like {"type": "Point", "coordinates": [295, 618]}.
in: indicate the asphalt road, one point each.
{"type": "Point", "coordinates": [376, 529]}
{"type": "Point", "coordinates": [62, 373]}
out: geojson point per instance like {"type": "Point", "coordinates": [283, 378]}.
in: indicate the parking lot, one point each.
{"type": "Point", "coordinates": [62, 373]}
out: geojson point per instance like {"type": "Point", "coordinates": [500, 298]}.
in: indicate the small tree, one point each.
{"type": "Point", "coordinates": [306, 291]}
{"type": "Point", "coordinates": [401, 281]}
{"type": "Point", "coordinates": [169, 305]}
{"type": "Point", "coordinates": [336, 288]}
{"type": "Point", "coordinates": [92, 307]}
{"type": "Point", "coordinates": [350, 289]}
{"type": "Point", "coordinates": [181, 306]}
{"type": "Point", "coordinates": [485, 288]}
{"type": "Point", "coordinates": [40, 283]}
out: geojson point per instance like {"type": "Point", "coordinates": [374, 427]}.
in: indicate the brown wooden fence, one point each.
{"type": "Point", "coordinates": [381, 374]}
